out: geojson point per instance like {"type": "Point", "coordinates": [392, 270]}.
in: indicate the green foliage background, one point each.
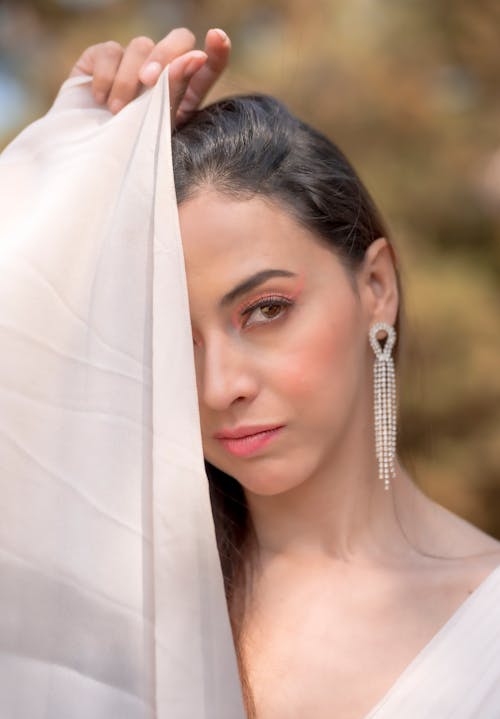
{"type": "Point", "coordinates": [411, 92]}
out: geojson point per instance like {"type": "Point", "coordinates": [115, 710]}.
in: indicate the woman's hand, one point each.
{"type": "Point", "coordinates": [120, 73]}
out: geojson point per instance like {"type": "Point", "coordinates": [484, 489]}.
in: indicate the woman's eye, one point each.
{"type": "Point", "coordinates": [265, 311]}
{"type": "Point", "coordinates": [270, 311]}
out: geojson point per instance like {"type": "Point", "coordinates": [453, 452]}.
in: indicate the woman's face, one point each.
{"type": "Point", "coordinates": [281, 340]}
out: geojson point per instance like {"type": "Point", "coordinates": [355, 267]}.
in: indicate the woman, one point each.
{"type": "Point", "coordinates": [289, 267]}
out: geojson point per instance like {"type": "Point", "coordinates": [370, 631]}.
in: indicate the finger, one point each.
{"type": "Point", "coordinates": [180, 72]}
{"type": "Point", "coordinates": [107, 60]}
{"type": "Point", "coordinates": [125, 81]}
{"type": "Point", "coordinates": [176, 43]}
{"type": "Point", "coordinates": [86, 62]}
{"type": "Point", "coordinates": [218, 49]}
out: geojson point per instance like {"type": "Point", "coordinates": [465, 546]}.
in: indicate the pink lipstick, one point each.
{"type": "Point", "coordinates": [244, 441]}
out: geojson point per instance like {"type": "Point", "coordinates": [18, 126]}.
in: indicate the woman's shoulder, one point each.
{"type": "Point", "coordinates": [476, 553]}
{"type": "Point", "coordinates": [456, 536]}
{"type": "Point", "coordinates": [469, 553]}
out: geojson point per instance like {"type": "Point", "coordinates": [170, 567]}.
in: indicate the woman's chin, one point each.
{"type": "Point", "coordinates": [268, 483]}
{"type": "Point", "coordinates": [268, 489]}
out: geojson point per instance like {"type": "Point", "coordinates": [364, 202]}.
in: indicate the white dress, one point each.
{"type": "Point", "coordinates": [111, 596]}
{"type": "Point", "coordinates": [457, 674]}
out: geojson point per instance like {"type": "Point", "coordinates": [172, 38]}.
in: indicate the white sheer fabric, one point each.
{"type": "Point", "coordinates": [111, 595]}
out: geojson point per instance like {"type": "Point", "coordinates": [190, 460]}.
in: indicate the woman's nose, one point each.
{"type": "Point", "coordinates": [226, 375]}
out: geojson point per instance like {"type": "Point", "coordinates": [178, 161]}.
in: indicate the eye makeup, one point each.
{"type": "Point", "coordinates": [285, 300]}
{"type": "Point", "coordinates": [266, 301]}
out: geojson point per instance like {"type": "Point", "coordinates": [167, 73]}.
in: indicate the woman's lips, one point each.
{"type": "Point", "coordinates": [244, 446]}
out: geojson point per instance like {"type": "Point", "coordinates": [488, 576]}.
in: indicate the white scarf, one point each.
{"type": "Point", "coordinates": [111, 595]}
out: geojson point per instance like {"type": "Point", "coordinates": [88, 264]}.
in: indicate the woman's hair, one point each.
{"type": "Point", "coordinates": [249, 146]}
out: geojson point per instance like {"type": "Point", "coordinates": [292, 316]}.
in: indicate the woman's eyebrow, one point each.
{"type": "Point", "coordinates": [251, 282]}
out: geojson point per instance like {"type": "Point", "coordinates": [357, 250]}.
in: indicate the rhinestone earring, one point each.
{"type": "Point", "coordinates": [384, 386]}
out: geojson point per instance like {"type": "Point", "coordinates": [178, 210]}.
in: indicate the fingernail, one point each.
{"type": "Point", "coordinates": [150, 72]}
{"type": "Point", "coordinates": [221, 34]}
{"type": "Point", "coordinates": [116, 106]}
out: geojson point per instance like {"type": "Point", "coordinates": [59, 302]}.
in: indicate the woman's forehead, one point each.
{"type": "Point", "coordinates": [217, 230]}
{"type": "Point", "coordinates": [228, 242]}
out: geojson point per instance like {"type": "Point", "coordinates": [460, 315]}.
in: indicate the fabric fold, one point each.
{"type": "Point", "coordinates": [111, 594]}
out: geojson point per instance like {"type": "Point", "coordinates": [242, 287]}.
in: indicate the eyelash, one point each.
{"type": "Point", "coordinates": [270, 300]}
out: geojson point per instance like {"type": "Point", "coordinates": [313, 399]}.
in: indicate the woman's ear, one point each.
{"type": "Point", "coordinates": [377, 282]}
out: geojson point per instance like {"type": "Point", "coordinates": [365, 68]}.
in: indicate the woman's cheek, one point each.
{"type": "Point", "coordinates": [319, 360]}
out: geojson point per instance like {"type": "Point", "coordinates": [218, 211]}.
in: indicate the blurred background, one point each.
{"type": "Point", "coordinates": [411, 93]}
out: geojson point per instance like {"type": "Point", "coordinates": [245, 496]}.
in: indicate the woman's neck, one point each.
{"type": "Point", "coordinates": [342, 512]}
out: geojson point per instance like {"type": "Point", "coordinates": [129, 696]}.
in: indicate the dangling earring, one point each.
{"type": "Point", "coordinates": [384, 385]}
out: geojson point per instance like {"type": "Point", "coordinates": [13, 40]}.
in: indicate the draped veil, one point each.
{"type": "Point", "coordinates": [111, 594]}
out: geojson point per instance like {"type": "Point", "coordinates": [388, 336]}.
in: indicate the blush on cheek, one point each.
{"type": "Point", "coordinates": [300, 375]}
{"type": "Point", "coordinates": [324, 354]}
